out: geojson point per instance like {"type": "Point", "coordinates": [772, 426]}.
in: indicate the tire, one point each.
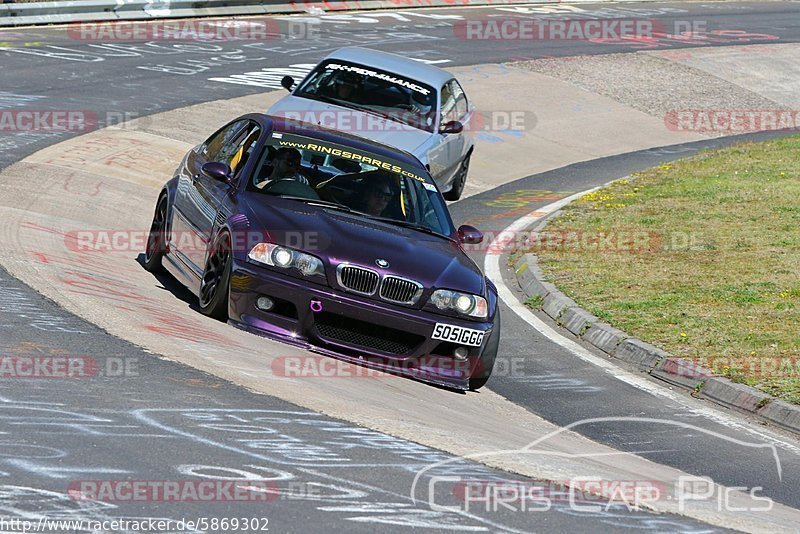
{"type": "Point", "coordinates": [485, 365]}
{"type": "Point", "coordinates": [459, 181]}
{"type": "Point", "coordinates": [215, 284]}
{"type": "Point", "coordinates": [157, 238]}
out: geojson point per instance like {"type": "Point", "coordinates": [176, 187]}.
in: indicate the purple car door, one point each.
{"type": "Point", "coordinates": [200, 197]}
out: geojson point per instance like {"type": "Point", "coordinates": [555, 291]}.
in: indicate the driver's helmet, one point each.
{"type": "Point", "coordinates": [424, 106]}
{"type": "Point", "coordinates": [347, 78]}
{"type": "Point", "coordinates": [421, 100]}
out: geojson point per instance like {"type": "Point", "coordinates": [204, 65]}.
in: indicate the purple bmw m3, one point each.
{"type": "Point", "coordinates": [330, 242]}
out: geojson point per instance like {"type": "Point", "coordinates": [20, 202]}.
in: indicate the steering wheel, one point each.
{"type": "Point", "coordinates": [325, 193]}
{"type": "Point", "coordinates": [290, 186]}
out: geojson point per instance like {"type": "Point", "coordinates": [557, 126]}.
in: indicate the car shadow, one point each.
{"type": "Point", "coordinates": [168, 283]}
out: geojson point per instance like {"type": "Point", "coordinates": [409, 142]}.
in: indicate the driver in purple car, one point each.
{"type": "Point", "coordinates": [285, 166]}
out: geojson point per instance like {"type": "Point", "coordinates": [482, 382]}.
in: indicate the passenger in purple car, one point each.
{"type": "Point", "coordinates": [376, 198]}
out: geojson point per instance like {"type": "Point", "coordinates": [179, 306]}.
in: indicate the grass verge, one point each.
{"type": "Point", "coordinates": [700, 257]}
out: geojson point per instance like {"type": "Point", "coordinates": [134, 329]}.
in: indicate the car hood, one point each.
{"type": "Point", "coordinates": [340, 237]}
{"type": "Point", "coordinates": [360, 123]}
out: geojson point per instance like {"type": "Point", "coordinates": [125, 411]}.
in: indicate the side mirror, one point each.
{"type": "Point", "coordinates": [453, 127]}
{"type": "Point", "coordinates": [287, 82]}
{"type": "Point", "coordinates": [217, 171]}
{"type": "Point", "coordinates": [469, 235]}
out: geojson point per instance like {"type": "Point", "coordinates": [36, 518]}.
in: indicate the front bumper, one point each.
{"type": "Point", "coordinates": [379, 335]}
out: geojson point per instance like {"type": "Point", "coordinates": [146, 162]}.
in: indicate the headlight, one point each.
{"type": "Point", "coordinates": [279, 256]}
{"type": "Point", "coordinates": [463, 303]}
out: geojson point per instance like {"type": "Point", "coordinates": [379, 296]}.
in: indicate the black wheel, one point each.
{"type": "Point", "coordinates": [459, 181]}
{"type": "Point", "coordinates": [215, 284]}
{"type": "Point", "coordinates": [485, 365]}
{"type": "Point", "coordinates": [157, 238]}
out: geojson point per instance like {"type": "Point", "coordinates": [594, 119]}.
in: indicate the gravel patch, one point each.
{"type": "Point", "coordinates": [650, 84]}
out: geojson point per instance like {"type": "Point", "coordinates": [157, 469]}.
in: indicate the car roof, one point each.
{"type": "Point", "coordinates": [409, 68]}
{"type": "Point", "coordinates": [292, 126]}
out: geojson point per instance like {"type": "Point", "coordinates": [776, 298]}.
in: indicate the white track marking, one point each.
{"type": "Point", "coordinates": [492, 270]}
{"type": "Point", "coordinates": [404, 498]}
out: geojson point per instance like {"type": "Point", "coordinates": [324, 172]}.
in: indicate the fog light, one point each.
{"type": "Point", "coordinates": [265, 303]}
{"type": "Point", "coordinates": [461, 353]}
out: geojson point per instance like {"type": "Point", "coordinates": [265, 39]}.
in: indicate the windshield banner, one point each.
{"type": "Point", "coordinates": [315, 145]}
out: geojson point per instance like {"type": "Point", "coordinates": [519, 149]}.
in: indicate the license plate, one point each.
{"type": "Point", "coordinates": [457, 334]}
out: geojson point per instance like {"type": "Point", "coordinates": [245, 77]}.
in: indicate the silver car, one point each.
{"type": "Point", "coordinates": [391, 99]}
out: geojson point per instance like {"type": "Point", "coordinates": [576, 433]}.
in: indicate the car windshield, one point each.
{"type": "Point", "coordinates": [340, 177]}
{"type": "Point", "coordinates": [400, 99]}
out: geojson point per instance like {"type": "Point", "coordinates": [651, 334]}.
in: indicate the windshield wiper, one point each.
{"type": "Point", "coordinates": [330, 100]}
{"type": "Point", "coordinates": [323, 98]}
{"type": "Point", "coordinates": [342, 207]}
{"type": "Point", "coordinates": [318, 202]}
{"type": "Point", "coordinates": [407, 224]}
{"type": "Point", "coordinates": [350, 105]}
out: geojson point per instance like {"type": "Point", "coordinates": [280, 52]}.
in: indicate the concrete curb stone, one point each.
{"type": "Point", "coordinates": [577, 320]}
{"type": "Point", "coordinates": [781, 413]}
{"type": "Point", "coordinates": [660, 364]}
{"type": "Point", "coordinates": [642, 354]}
{"type": "Point", "coordinates": [681, 372]}
{"type": "Point", "coordinates": [556, 304]}
{"type": "Point", "coordinates": [531, 278]}
{"type": "Point", "coordinates": [605, 337]}
{"type": "Point", "coordinates": [732, 394]}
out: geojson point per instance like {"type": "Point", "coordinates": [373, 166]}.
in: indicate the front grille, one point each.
{"type": "Point", "coordinates": [357, 279]}
{"type": "Point", "coordinates": [363, 334]}
{"type": "Point", "coordinates": [400, 290]}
